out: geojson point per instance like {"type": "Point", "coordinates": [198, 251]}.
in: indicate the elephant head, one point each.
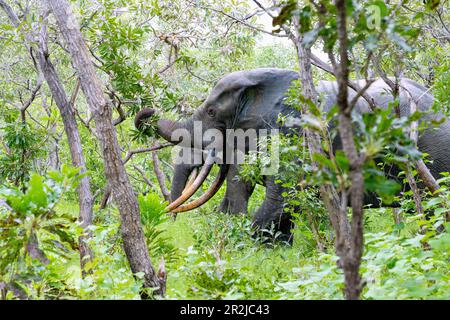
{"type": "Point", "coordinates": [240, 100]}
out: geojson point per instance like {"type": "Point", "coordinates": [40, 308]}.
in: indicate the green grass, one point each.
{"type": "Point", "coordinates": [216, 258]}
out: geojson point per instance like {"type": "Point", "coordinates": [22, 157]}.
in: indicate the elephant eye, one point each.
{"type": "Point", "coordinates": [211, 112]}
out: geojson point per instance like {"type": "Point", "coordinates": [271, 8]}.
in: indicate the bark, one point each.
{"type": "Point", "coordinates": [315, 232]}
{"type": "Point", "coordinates": [70, 127]}
{"type": "Point", "coordinates": [414, 135]}
{"type": "Point", "coordinates": [426, 176]}
{"type": "Point", "coordinates": [105, 198]}
{"type": "Point", "coordinates": [33, 249]}
{"type": "Point", "coordinates": [422, 170]}
{"type": "Point", "coordinates": [54, 159]}
{"type": "Point", "coordinates": [10, 13]}
{"type": "Point", "coordinates": [74, 140]}
{"type": "Point", "coordinates": [416, 193]}
{"type": "Point", "coordinates": [351, 259]}
{"type": "Point", "coordinates": [328, 192]}
{"type": "Point", "coordinates": [123, 194]}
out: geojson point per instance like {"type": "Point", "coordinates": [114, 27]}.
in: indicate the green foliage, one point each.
{"type": "Point", "coordinates": [314, 281]}
{"type": "Point", "coordinates": [167, 55]}
{"type": "Point", "coordinates": [310, 217]}
{"type": "Point", "coordinates": [394, 268]}
{"type": "Point", "coordinates": [148, 129]}
{"type": "Point", "coordinates": [385, 141]}
{"type": "Point", "coordinates": [223, 262]}
{"type": "Point", "coordinates": [441, 89]}
{"type": "Point", "coordinates": [110, 276]}
{"type": "Point", "coordinates": [219, 263]}
{"type": "Point", "coordinates": [120, 40]}
{"type": "Point", "coordinates": [153, 216]}
{"type": "Point", "coordinates": [22, 147]}
{"type": "Point", "coordinates": [212, 277]}
{"type": "Point", "coordinates": [277, 55]}
{"type": "Point", "coordinates": [399, 268]}
{"type": "Point", "coordinates": [382, 138]}
{"type": "Point", "coordinates": [33, 236]}
{"type": "Point", "coordinates": [39, 255]}
{"type": "Point", "coordinates": [250, 170]}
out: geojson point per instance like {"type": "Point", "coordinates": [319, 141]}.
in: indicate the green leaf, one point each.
{"type": "Point", "coordinates": [37, 191]}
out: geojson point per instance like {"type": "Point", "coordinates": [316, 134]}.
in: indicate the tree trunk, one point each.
{"type": "Point", "coordinates": [70, 127]}
{"type": "Point", "coordinates": [328, 192]}
{"type": "Point", "coordinates": [73, 137]}
{"type": "Point", "coordinates": [105, 198]}
{"type": "Point", "coordinates": [352, 259]}
{"type": "Point", "coordinates": [132, 233]}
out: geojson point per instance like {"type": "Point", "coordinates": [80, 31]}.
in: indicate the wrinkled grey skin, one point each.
{"type": "Point", "coordinates": [237, 193]}
{"type": "Point", "coordinates": [254, 99]}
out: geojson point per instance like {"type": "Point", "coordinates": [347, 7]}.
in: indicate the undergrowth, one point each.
{"type": "Point", "coordinates": [210, 255]}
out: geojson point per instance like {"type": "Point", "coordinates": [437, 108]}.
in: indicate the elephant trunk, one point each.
{"type": "Point", "coordinates": [164, 128]}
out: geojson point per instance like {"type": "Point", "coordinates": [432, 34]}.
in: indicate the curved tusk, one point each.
{"type": "Point", "coordinates": [208, 194]}
{"type": "Point", "coordinates": [188, 192]}
{"type": "Point", "coordinates": [191, 179]}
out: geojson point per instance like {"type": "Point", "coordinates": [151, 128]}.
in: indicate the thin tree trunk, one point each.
{"type": "Point", "coordinates": [422, 170]}
{"type": "Point", "coordinates": [105, 198]}
{"type": "Point", "coordinates": [160, 176]}
{"type": "Point", "coordinates": [426, 176]}
{"type": "Point", "coordinates": [397, 215]}
{"type": "Point", "coordinates": [328, 192]}
{"type": "Point", "coordinates": [73, 137]}
{"type": "Point", "coordinates": [414, 135]}
{"type": "Point", "coordinates": [144, 177]}
{"type": "Point", "coordinates": [132, 233]}
{"type": "Point", "coordinates": [70, 127]}
{"type": "Point", "coordinates": [351, 260]}
{"type": "Point", "coordinates": [53, 161]}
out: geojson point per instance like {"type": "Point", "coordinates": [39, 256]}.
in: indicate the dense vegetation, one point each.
{"type": "Point", "coordinates": [168, 55]}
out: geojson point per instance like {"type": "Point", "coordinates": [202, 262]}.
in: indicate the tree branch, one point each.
{"type": "Point", "coordinates": [158, 146]}
{"type": "Point", "coordinates": [160, 176]}
{"type": "Point", "coordinates": [239, 20]}
{"type": "Point", "coordinates": [146, 179]}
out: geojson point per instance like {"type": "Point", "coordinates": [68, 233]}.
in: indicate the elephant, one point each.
{"type": "Point", "coordinates": [254, 99]}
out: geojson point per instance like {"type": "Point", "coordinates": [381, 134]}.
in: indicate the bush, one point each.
{"type": "Point", "coordinates": [153, 217]}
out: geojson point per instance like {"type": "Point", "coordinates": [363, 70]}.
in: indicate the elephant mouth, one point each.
{"type": "Point", "coordinates": [195, 182]}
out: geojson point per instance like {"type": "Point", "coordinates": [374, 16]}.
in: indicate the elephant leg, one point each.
{"type": "Point", "coordinates": [272, 212]}
{"type": "Point", "coordinates": [237, 193]}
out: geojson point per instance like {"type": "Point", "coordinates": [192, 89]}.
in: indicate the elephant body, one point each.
{"type": "Point", "coordinates": [254, 99]}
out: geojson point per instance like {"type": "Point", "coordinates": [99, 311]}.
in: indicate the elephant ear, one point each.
{"type": "Point", "coordinates": [261, 95]}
